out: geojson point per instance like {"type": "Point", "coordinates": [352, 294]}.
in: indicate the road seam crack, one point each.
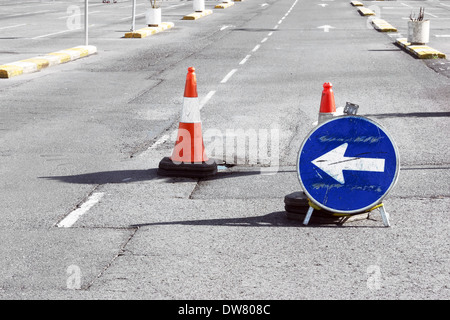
{"type": "Point", "coordinates": [119, 254]}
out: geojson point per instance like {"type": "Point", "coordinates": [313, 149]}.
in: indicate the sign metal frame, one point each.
{"type": "Point", "coordinates": [366, 207]}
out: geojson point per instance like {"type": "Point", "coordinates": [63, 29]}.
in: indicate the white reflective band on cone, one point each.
{"type": "Point", "coordinates": [191, 111]}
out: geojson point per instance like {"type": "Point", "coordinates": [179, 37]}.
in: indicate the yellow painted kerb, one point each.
{"type": "Point", "coordinates": [147, 31]}
{"type": "Point", "coordinates": [83, 52]}
{"type": "Point", "coordinates": [224, 5]}
{"type": "Point", "coordinates": [197, 15]}
{"type": "Point", "coordinates": [356, 3]}
{"type": "Point", "coordinates": [63, 57]}
{"type": "Point", "coordinates": [10, 70]}
{"type": "Point", "coordinates": [420, 51]}
{"type": "Point", "coordinates": [366, 12]}
{"type": "Point", "coordinates": [40, 63]}
{"type": "Point", "coordinates": [383, 26]}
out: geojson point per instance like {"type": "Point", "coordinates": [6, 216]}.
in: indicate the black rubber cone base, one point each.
{"type": "Point", "coordinates": [296, 206]}
{"type": "Point", "coordinates": [186, 170]}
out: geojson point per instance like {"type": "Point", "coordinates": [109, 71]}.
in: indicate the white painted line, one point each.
{"type": "Point", "coordinates": [33, 6]}
{"type": "Point", "coordinates": [72, 217]}
{"type": "Point", "coordinates": [160, 141]}
{"type": "Point", "coordinates": [15, 26]}
{"type": "Point", "coordinates": [64, 31]}
{"type": "Point", "coordinates": [73, 15]}
{"type": "Point", "coordinates": [256, 47]}
{"type": "Point", "coordinates": [270, 33]}
{"type": "Point", "coordinates": [206, 99]}
{"type": "Point", "coordinates": [130, 5]}
{"type": "Point", "coordinates": [54, 33]}
{"type": "Point", "coordinates": [228, 76]}
{"type": "Point", "coordinates": [276, 27]}
{"type": "Point", "coordinates": [223, 28]}
{"type": "Point", "coordinates": [442, 35]}
{"type": "Point", "coordinates": [280, 21]}
{"type": "Point", "coordinates": [406, 5]}
{"type": "Point", "coordinates": [127, 18]}
{"type": "Point", "coordinates": [27, 13]}
{"type": "Point", "coordinates": [76, 15]}
{"type": "Point", "coordinates": [430, 14]}
{"type": "Point", "coordinates": [264, 40]}
{"type": "Point", "coordinates": [245, 59]}
{"type": "Point", "coordinates": [175, 6]}
{"type": "Point", "coordinates": [442, 4]}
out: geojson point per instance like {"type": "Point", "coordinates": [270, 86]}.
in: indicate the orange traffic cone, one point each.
{"type": "Point", "coordinates": [189, 157]}
{"type": "Point", "coordinates": [327, 104]}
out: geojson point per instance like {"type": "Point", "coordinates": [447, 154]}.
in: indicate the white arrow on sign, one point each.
{"type": "Point", "coordinates": [326, 28]}
{"type": "Point", "coordinates": [334, 163]}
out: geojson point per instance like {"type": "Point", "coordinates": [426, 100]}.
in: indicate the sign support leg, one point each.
{"type": "Point", "coordinates": [384, 217]}
{"type": "Point", "coordinates": [308, 216]}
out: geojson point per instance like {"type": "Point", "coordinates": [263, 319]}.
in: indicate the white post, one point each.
{"type": "Point", "coordinates": [308, 216]}
{"type": "Point", "coordinates": [385, 217]}
{"type": "Point", "coordinates": [199, 5]}
{"type": "Point", "coordinates": [133, 16]}
{"type": "Point", "coordinates": [86, 20]}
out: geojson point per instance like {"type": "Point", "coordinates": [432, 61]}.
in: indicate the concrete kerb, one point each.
{"type": "Point", "coordinates": [356, 3]}
{"type": "Point", "coordinates": [37, 63]}
{"type": "Point", "coordinates": [383, 26]}
{"type": "Point", "coordinates": [365, 11]}
{"type": "Point", "coordinates": [420, 51]}
{"type": "Point", "coordinates": [224, 5]}
{"type": "Point", "coordinates": [197, 15]}
{"type": "Point", "coordinates": [148, 31]}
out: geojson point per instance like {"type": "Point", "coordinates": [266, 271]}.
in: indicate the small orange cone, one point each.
{"type": "Point", "coordinates": [189, 157]}
{"type": "Point", "coordinates": [327, 104]}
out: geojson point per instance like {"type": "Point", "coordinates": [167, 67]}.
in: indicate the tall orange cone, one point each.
{"type": "Point", "coordinates": [327, 104]}
{"type": "Point", "coordinates": [189, 158]}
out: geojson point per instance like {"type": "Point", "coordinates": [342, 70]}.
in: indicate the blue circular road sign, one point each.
{"type": "Point", "coordinates": [347, 164]}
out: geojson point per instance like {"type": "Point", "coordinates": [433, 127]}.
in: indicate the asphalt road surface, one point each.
{"type": "Point", "coordinates": [84, 139]}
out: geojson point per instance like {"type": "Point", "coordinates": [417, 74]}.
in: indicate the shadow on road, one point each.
{"type": "Point", "coordinates": [128, 176]}
{"type": "Point", "coordinates": [410, 115]}
{"type": "Point", "coordinates": [274, 219]}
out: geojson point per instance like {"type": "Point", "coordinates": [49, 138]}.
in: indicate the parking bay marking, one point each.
{"type": "Point", "coordinates": [73, 217]}
{"type": "Point", "coordinates": [15, 26]}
